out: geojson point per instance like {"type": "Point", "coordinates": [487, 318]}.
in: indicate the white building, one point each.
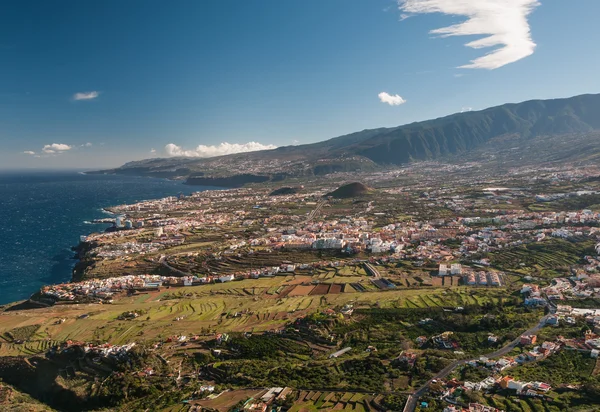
{"type": "Point", "coordinates": [516, 385]}
{"type": "Point", "coordinates": [456, 269]}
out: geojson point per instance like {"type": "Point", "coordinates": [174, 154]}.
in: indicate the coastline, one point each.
{"type": "Point", "coordinates": [61, 206]}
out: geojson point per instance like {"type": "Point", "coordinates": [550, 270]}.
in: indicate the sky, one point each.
{"type": "Point", "coordinates": [96, 84]}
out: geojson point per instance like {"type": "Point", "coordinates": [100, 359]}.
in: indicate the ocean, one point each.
{"type": "Point", "coordinates": [43, 213]}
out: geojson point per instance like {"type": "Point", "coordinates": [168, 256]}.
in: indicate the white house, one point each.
{"type": "Point", "coordinates": [516, 385]}
{"type": "Point", "coordinates": [226, 278]}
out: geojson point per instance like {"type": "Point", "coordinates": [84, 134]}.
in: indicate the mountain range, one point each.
{"type": "Point", "coordinates": [371, 149]}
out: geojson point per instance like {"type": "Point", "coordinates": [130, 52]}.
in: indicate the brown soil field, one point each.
{"type": "Point", "coordinates": [320, 289]}
{"type": "Point", "coordinates": [300, 279]}
{"type": "Point", "coordinates": [301, 290]}
{"type": "Point", "coordinates": [437, 281]}
{"type": "Point", "coordinates": [286, 291]}
{"type": "Point", "coordinates": [335, 289]}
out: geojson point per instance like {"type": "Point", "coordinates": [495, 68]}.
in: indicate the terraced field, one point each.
{"type": "Point", "coordinates": [327, 401]}
{"type": "Point", "coordinates": [229, 307]}
{"type": "Point", "coordinates": [547, 259]}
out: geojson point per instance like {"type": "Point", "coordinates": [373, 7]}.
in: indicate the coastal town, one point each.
{"type": "Point", "coordinates": [403, 297]}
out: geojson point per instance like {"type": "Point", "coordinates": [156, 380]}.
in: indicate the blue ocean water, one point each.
{"type": "Point", "coordinates": [42, 214]}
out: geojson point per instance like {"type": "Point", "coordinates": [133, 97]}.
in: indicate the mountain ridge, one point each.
{"type": "Point", "coordinates": [370, 149]}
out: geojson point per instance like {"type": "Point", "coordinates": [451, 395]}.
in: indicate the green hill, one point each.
{"type": "Point", "coordinates": [350, 190]}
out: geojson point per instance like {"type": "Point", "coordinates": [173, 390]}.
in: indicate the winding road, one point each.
{"type": "Point", "coordinates": [411, 403]}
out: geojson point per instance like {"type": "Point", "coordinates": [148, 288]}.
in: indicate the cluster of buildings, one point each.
{"type": "Point", "coordinates": [591, 317]}
{"type": "Point", "coordinates": [498, 365]}
{"type": "Point", "coordinates": [453, 269]}
{"type": "Point", "coordinates": [452, 390]}
{"type": "Point", "coordinates": [584, 284]}
{"type": "Point", "coordinates": [262, 404]}
{"type": "Point", "coordinates": [482, 278]}
{"type": "Point", "coordinates": [106, 288]}
{"type": "Point", "coordinates": [472, 407]}
{"type": "Point", "coordinates": [417, 240]}
{"type": "Point", "coordinates": [441, 341]}
{"type": "Point", "coordinates": [98, 353]}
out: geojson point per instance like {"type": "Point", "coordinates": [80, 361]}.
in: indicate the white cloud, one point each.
{"type": "Point", "coordinates": [394, 100]}
{"type": "Point", "coordinates": [466, 109]}
{"type": "Point", "coordinates": [503, 23]}
{"type": "Point", "coordinates": [152, 150]}
{"type": "Point", "coordinates": [216, 150]}
{"type": "Point", "coordinates": [29, 152]}
{"type": "Point", "coordinates": [56, 148]}
{"type": "Point", "coordinates": [86, 95]}
{"type": "Point", "coordinates": [88, 144]}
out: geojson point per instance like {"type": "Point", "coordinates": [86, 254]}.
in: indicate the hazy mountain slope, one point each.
{"type": "Point", "coordinates": [455, 134]}
{"type": "Point", "coordinates": [465, 131]}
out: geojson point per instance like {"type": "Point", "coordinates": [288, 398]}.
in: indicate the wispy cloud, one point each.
{"type": "Point", "coordinates": [216, 150]}
{"type": "Point", "coordinates": [466, 109]}
{"type": "Point", "coordinates": [152, 150]}
{"type": "Point", "coordinates": [86, 95]}
{"type": "Point", "coordinates": [56, 148]}
{"type": "Point", "coordinates": [503, 23]}
{"type": "Point", "coordinates": [29, 152]}
{"type": "Point", "coordinates": [392, 100]}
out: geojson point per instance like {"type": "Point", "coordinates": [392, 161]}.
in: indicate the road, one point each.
{"type": "Point", "coordinates": [411, 403]}
{"type": "Point", "coordinates": [374, 272]}
{"type": "Point", "coordinates": [163, 261]}
{"type": "Point", "coordinates": [315, 211]}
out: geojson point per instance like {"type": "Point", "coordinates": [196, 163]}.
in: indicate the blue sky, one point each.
{"type": "Point", "coordinates": [188, 73]}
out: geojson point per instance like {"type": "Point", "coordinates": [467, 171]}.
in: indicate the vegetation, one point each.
{"type": "Point", "coordinates": [351, 190]}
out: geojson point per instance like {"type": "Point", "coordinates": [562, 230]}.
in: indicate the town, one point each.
{"type": "Point", "coordinates": [397, 293]}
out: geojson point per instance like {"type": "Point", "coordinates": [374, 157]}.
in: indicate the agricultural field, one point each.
{"type": "Point", "coordinates": [251, 305]}
{"type": "Point", "coordinates": [327, 401]}
{"type": "Point", "coordinates": [546, 260]}
{"type": "Point", "coordinates": [228, 399]}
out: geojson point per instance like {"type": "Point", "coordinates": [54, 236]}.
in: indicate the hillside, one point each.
{"type": "Point", "coordinates": [371, 149]}
{"type": "Point", "coordinates": [350, 190]}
